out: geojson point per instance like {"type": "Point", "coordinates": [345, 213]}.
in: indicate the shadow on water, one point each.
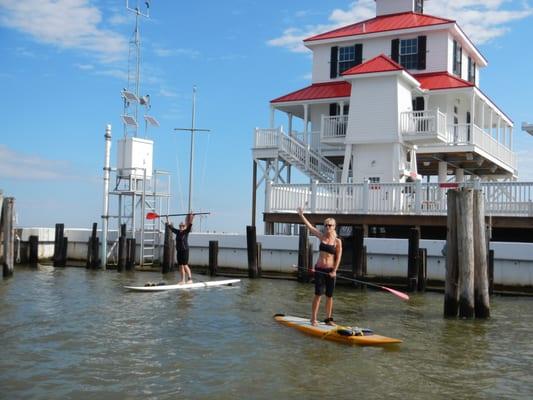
{"type": "Point", "coordinates": [75, 333]}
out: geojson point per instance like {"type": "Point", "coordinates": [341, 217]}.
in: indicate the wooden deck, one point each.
{"type": "Point", "coordinates": [504, 228]}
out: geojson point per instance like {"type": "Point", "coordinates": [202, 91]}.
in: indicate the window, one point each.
{"type": "Point", "coordinates": [419, 6]}
{"type": "Point", "coordinates": [471, 70]}
{"type": "Point", "coordinates": [409, 53]}
{"type": "Point", "coordinates": [346, 58]}
{"type": "Point", "coordinates": [457, 56]}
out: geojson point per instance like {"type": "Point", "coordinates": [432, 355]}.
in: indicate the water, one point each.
{"type": "Point", "coordinates": [76, 334]}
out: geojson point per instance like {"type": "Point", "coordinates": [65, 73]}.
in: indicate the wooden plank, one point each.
{"type": "Point", "coordinates": [481, 281]}
{"type": "Point", "coordinates": [451, 282]}
{"type": "Point", "coordinates": [465, 251]}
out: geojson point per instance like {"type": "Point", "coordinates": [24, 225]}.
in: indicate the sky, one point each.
{"type": "Point", "coordinates": [64, 63]}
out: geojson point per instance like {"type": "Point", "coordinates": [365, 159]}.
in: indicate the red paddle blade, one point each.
{"type": "Point", "coordinates": [401, 295]}
{"type": "Point", "coordinates": [152, 215]}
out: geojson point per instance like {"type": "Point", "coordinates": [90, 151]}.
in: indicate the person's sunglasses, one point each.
{"type": "Point", "coordinates": [329, 225]}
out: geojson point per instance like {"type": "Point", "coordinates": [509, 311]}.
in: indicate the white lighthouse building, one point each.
{"type": "Point", "coordinates": [392, 99]}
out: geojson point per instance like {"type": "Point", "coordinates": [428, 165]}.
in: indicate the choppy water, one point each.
{"type": "Point", "coordinates": [76, 334]}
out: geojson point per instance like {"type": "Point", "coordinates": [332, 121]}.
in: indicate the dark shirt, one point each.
{"type": "Point", "coordinates": [182, 243]}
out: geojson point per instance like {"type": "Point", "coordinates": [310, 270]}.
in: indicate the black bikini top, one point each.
{"type": "Point", "coordinates": [328, 248]}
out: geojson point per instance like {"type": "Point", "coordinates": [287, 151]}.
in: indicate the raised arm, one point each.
{"type": "Point", "coordinates": [306, 222]}
{"type": "Point", "coordinates": [338, 254]}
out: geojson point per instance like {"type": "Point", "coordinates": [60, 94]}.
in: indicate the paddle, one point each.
{"type": "Point", "coordinates": [401, 295]}
{"type": "Point", "coordinates": [153, 215]}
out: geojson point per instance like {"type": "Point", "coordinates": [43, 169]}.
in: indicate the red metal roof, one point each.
{"type": "Point", "coordinates": [316, 91]}
{"type": "Point", "coordinates": [383, 23]}
{"type": "Point", "coordinates": [441, 80]}
{"type": "Point", "coordinates": [381, 63]}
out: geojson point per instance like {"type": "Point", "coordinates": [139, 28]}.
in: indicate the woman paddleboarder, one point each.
{"type": "Point", "coordinates": [326, 267]}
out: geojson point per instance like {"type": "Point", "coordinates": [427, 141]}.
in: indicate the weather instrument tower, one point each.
{"type": "Point", "coordinates": [139, 188]}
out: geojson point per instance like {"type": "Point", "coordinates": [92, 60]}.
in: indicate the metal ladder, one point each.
{"type": "Point", "coordinates": [152, 233]}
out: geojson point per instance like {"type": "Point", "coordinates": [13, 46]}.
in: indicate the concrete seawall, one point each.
{"type": "Point", "coordinates": [387, 258]}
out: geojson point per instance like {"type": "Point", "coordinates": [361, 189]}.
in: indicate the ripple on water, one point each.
{"type": "Point", "coordinates": [76, 334]}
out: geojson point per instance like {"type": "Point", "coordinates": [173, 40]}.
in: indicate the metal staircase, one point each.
{"type": "Point", "coordinates": [273, 143]}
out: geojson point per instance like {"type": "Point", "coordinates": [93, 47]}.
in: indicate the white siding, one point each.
{"type": "Point", "coordinates": [384, 7]}
{"type": "Point", "coordinates": [376, 160]}
{"type": "Point", "coordinates": [436, 53]}
{"type": "Point", "coordinates": [373, 110]}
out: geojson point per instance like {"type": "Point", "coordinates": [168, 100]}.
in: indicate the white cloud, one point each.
{"type": "Point", "coordinates": [164, 52]}
{"type": "Point", "coordinates": [482, 20]}
{"type": "Point", "coordinates": [84, 67]}
{"type": "Point", "coordinates": [67, 24]}
{"type": "Point", "coordinates": [14, 165]}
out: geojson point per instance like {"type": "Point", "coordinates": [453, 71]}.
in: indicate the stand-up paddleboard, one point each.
{"type": "Point", "coordinates": [161, 287]}
{"type": "Point", "coordinates": [343, 334]}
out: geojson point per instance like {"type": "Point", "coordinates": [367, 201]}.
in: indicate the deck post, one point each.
{"type": "Point", "coordinates": [451, 283]}
{"type": "Point", "coordinates": [481, 282]}
{"type": "Point", "coordinates": [213, 257]}
{"type": "Point", "coordinates": [412, 263]}
{"type": "Point", "coordinates": [418, 196]}
{"type": "Point", "coordinates": [58, 244]}
{"type": "Point", "coordinates": [268, 195]}
{"type": "Point", "coordinates": [93, 249]}
{"type": "Point", "coordinates": [313, 195]}
{"type": "Point", "coordinates": [34, 249]}
{"type": "Point", "coordinates": [251, 244]}
{"type": "Point", "coordinates": [465, 250]}
{"type": "Point", "coordinates": [254, 191]}
{"type": "Point", "coordinates": [366, 195]}
{"type": "Point", "coordinates": [8, 231]}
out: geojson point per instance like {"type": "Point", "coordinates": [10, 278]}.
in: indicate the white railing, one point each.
{"type": "Point", "coordinates": [297, 153]}
{"type": "Point", "coordinates": [417, 198]}
{"type": "Point", "coordinates": [423, 125]}
{"type": "Point", "coordinates": [487, 143]}
{"type": "Point", "coordinates": [333, 127]}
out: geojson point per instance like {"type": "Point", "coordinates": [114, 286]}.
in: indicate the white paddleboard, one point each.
{"type": "Point", "coordinates": [194, 285]}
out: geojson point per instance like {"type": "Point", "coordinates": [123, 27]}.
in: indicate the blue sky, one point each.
{"type": "Point", "coordinates": [64, 62]}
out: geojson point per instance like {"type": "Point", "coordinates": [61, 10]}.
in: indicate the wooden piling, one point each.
{"type": "Point", "coordinates": [412, 263]}
{"type": "Point", "coordinates": [365, 262]}
{"type": "Point", "coordinates": [358, 237]}
{"type": "Point", "coordinates": [8, 232]}
{"type": "Point", "coordinates": [34, 249]}
{"type": "Point", "coordinates": [251, 244]}
{"type": "Point", "coordinates": [303, 255]}
{"type": "Point", "coordinates": [481, 281]}
{"type": "Point", "coordinates": [451, 283]}
{"type": "Point", "coordinates": [64, 250]}
{"type": "Point", "coordinates": [122, 253]}
{"type": "Point", "coordinates": [258, 252]}
{"type": "Point", "coordinates": [491, 272]}
{"type": "Point", "coordinates": [167, 250]}
{"type": "Point", "coordinates": [58, 244]}
{"type": "Point", "coordinates": [93, 247]}
{"type": "Point", "coordinates": [465, 251]}
{"type": "Point", "coordinates": [130, 254]}
{"type": "Point", "coordinates": [213, 257]}
{"type": "Point", "coordinates": [422, 270]}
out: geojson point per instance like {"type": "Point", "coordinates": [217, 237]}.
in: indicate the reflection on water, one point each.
{"type": "Point", "coordinates": [76, 334]}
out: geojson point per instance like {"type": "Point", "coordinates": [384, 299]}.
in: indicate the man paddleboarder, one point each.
{"type": "Point", "coordinates": [182, 248]}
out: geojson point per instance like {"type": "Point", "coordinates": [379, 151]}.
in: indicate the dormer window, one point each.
{"type": "Point", "coordinates": [409, 53]}
{"type": "Point", "coordinates": [419, 6]}
{"type": "Point", "coordinates": [344, 58]}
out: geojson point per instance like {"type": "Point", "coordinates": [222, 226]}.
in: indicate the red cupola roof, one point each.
{"type": "Point", "coordinates": [326, 90]}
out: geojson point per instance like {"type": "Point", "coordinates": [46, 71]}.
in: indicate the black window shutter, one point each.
{"type": "Point", "coordinates": [358, 54]}
{"type": "Point", "coordinates": [333, 62]}
{"type": "Point", "coordinates": [395, 50]}
{"type": "Point", "coordinates": [422, 52]}
{"type": "Point", "coordinates": [333, 109]}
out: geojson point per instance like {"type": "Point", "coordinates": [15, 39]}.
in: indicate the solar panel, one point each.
{"type": "Point", "coordinates": [130, 96]}
{"type": "Point", "coordinates": [129, 120]}
{"type": "Point", "coordinates": [151, 120]}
